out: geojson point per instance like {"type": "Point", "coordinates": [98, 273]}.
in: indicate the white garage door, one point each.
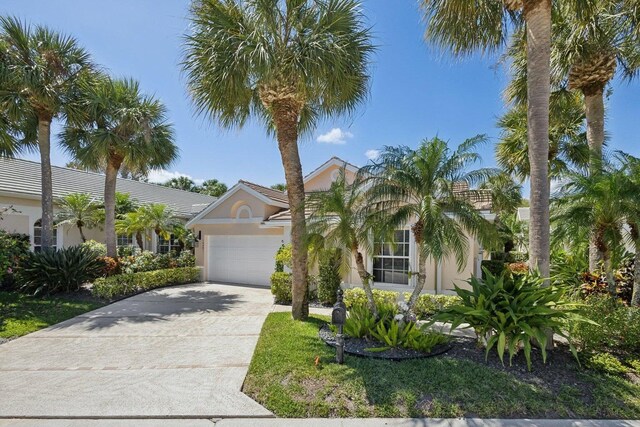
{"type": "Point", "coordinates": [242, 259]}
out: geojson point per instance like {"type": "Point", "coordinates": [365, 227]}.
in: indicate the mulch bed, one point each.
{"type": "Point", "coordinates": [359, 346]}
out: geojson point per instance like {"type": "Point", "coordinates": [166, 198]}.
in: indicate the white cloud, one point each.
{"type": "Point", "coordinates": [335, 136]}
{"type": "Point", "coordinates": [160, 176]}
{"type": "Point", "coordinates": [372, 154]}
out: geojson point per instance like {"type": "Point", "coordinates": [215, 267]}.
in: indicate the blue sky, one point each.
{"type": "Point", "coordinates": [416, 92]}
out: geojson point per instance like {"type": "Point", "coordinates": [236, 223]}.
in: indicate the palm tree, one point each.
{"type": "Point", "coordinates": [288, 64]}
{"type": "Point", "coordinates": [506, 194]}
{"type": "Point", "coordinates": [122, 127]}
{"type": "Point", "coordinates": [279, 187]}
{"type": "Point", "coordinates": [39, 72]}
{"type": "Point", "coordinates": [593, 202]}
{"type": "Point", "coordinates": [339, 217]}
{"type": "Point", "coordinates": [133, 224]}
{"type": "Point", "coordinates": [464, 27]}
{"type": "Point", "coordinates": [159, 218]}
{"type": "Point", "coordinates": [213, 187]}
{"type": "Point", "coordinates": [631, 169]}
{"type": "Point", "coordinates": [181, 183]}
{"type": "Point", "coordinates": [423, 186]}
{"type": "Point", "coordinates": [79, 210]}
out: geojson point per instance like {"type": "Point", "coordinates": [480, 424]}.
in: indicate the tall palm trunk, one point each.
{"type": "Point", "coordinates": [594, 110]}
{"type": "Point", "coordinates": [139, 240]}
{"type": "Point", "coordinates": [537, 15]}
{"type": "Point", "coordinates": [417, 230]}
{"type": "Point", "coordinates": [635, 234]}
{"type": "Point", "coordinates": [286, 116]}
{"type": "Point", "coordinates": [365, 278]}
{"type": "Point", "coordinates": [113, 165]}
{"type": "Point", "coordinates": [44, 145]}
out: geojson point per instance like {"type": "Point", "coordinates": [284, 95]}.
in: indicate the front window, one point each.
{"type": "Point", "coordinates": [37, 237]}
{"type": "Point", "coordinates": [391, 260]}
{"type": "Point", "coordinates": [124, 240]}
{"type": "Point", "coordinates": [166, 246]}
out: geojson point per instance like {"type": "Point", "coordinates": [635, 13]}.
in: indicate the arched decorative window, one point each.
{"type": "Point", "coordinates": [244, 211]}
{"type": "Point", "coordinates": [37, 236]}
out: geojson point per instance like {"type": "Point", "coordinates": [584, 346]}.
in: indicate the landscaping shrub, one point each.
{"type": "Point", "coordinates": [14, 248]}
{"type": "Point", "coordinates": [63, 270]}
{"type": "Point", "coordinates": [607, 363]}
{"type": "Point", "coordinates": [100, 249]}
{"type": "Point", "coordinates": [281, 287]}
{"type": "Point", "coordinates": [494, 266]}
{"type": "Point", "coordinates": [518, 268]}
{"type": "Point", "coordinates": [427, 305]}
{"type": "Point", "coordinates": [407, 335]}
{"type": "Point", "coordinates": [284, 257]}
{"type": "Point", "coordinates": [515, 256]}
{"type": "Point", "coordinates": [360, 322]}
{"type": "Point", "coordinates": [615, 327]}
{"type": "Point", "coordinates": [511, 311]}
{"type": "Point", "coordinates": [595, 282]}
{"type": "Point", "coordinates": [128, 284]}
{"type": "Point", "coordinates": [109, 266]}
{"type": "Point", "coordinates": [355, 296]}
{"type": "Point", "coordinates": [185, 259]}
{"type": "Point", "coordinates": [329, 277]}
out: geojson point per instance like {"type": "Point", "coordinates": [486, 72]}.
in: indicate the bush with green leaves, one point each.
{"type": "Point", "coordinates": [427, 305]}
{"type": "Point", "coordinates": [509, 312]}
{"type": "Point", "coordinates": [360, 322]}
{"type": "Point", "coordinates": [63, 270]}
{"type": "Point", "coordinates": [281, 287]}
{"type": "Point", "coordinates": [356, 296]}
{"type": "Point", "coordinates": [284, 257]}
{"type": "Point", "coordinates": [615, 326]}
{"type": "Point", "coordinates": [407, 335]}
{"type": "Point", "coordinates": [185, 259]}
{"type": "Point", "coordinates": [14, 249]}
{"type": "Point", "coordinates": [100, 249]}
{"type": "Point", "coordinates": [129, 284]}
{"type": "Point", "coordinates": [607, 363]}
{"type": "Point", "coordinates": [495, 266]}
{"type": "Point", "coordinates": [329, 276]}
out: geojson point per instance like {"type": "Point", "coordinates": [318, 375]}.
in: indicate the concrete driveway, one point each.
{"type": "Point", "coordinates": [175, 352]}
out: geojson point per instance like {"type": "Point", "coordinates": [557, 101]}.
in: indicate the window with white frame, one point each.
{"type": "Point", "coordinates": [391, 260]}
{"type": "Point", "coordinates": [37, 236]}
{"type": "Point", "coordinates": [124, 240]}
{"type": "Point", "coordinates": [165, 246]}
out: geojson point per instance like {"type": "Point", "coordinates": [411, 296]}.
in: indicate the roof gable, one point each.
{"type": "Point", "coordinates": [334, 161]}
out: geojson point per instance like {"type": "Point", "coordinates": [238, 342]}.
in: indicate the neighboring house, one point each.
{"type": "Point", "coordinates": [20, 189]}
{"type": "Point", "coordinates": [240, 233]}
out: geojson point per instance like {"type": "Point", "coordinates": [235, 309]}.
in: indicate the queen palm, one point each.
{"type": "Point", "coordinates": [423, 186]}
{"type": "Point", "coordinates": [39, 72]}
{"type": "Point", "coordinates": [133, 224]}
{"type": "Point", "coordinates": [463, 27]}
{"type": "Point", "coordinates": [122, 127]}
{"type": "Point", "coordinates": [339, 216]}
{"type": "Point", "coordinates": [288, 64]}
{"type": "Point", "coordinates": [159, 218]}
{"type": "Point", "coordinates": [80, 210]}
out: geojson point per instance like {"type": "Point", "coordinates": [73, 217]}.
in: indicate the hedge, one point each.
{"type": "Point", "coordinates": [128, 284]}
{"type": "Point", "coordinates": [427, 304]}
{"type": "Point", "coordinates": [356, 296]}
{"type": "Point", "coordinates": [281, 287]}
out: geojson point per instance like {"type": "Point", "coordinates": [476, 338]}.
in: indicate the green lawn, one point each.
{"type": "Point", "coordinates": [21, 314]}
{"type": "Point", "coordinates": [284, 378]}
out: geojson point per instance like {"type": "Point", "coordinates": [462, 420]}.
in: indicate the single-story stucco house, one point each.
{"type": "Point", "coordinates": [20, 190]}
{"type": "Point", "coordinates": [240, 233]}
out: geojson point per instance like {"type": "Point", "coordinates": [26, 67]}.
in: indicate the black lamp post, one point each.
{"type": "Point", "coordinates": [338, 318]}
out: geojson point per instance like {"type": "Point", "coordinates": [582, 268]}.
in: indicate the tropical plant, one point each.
{"type": "Point", "coordinates": [78, 210]}
{"type": "Point", "coordinates": [39, 74]}
{"type": "Point", "coordinates": [122, 285]}
{"type": "Point", "coordinates": [281, 287]}
{"type": "Point", "coordinates": [464, 27]}
{"type": "Point", "coordinates": [329, 276]}
{"type": "Point", "coordinates": [506, 194]}
{"type": "Point", "coordinates": [14, 248]}
{"type": "Point", "coordinates": [338, 218]}
{"type": "Point", "coordinates": [181, 183]}
{"type": "Point", "coordinates": [426, 186]}
{"type": "Point", "coordinates": [593, 202]}
{"type": "Point", "coordinates": [64, 270]}
{"type": "Point", "coordinates": [159, 218]}
{"type": "Point", "coordinates": [361, 321]}
{"type": "Point", "coordinates": [213, 187]}
{"type": "Point", "coordinates": [120, 127]}
{"type": "Point", "coordinates": [293, 64]}
{"type": "Point", "coordinates": [279, 187]}
{"type": "Point", "coordinates": [508, 312]}
{"type": "Point", "coordinates": [631, 169]}
{"type": "Point", "coordinates": [133, 224]}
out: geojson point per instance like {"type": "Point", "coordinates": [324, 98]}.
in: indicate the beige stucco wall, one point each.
{"type": "Point", "coordinates": [229, 207]}
{"type": "Point", "coordinates": [15, 223]}
{"type": "Point", "coordinates": [323, 180]}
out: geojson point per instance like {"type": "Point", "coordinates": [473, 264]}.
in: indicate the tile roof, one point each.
{"type": "Point", "coordinates": [334, 158]}
{"type": "Point", "coordinates": [272, 194]}
{"type": "Point", "coordinates": [18, 176]}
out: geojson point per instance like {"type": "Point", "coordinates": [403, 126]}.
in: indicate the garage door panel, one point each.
{"type": "Point", "coordinates": [242, 259]}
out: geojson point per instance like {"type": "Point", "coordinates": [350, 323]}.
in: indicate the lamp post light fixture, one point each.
{"type": "Point", "coordinates": [338, 319]}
